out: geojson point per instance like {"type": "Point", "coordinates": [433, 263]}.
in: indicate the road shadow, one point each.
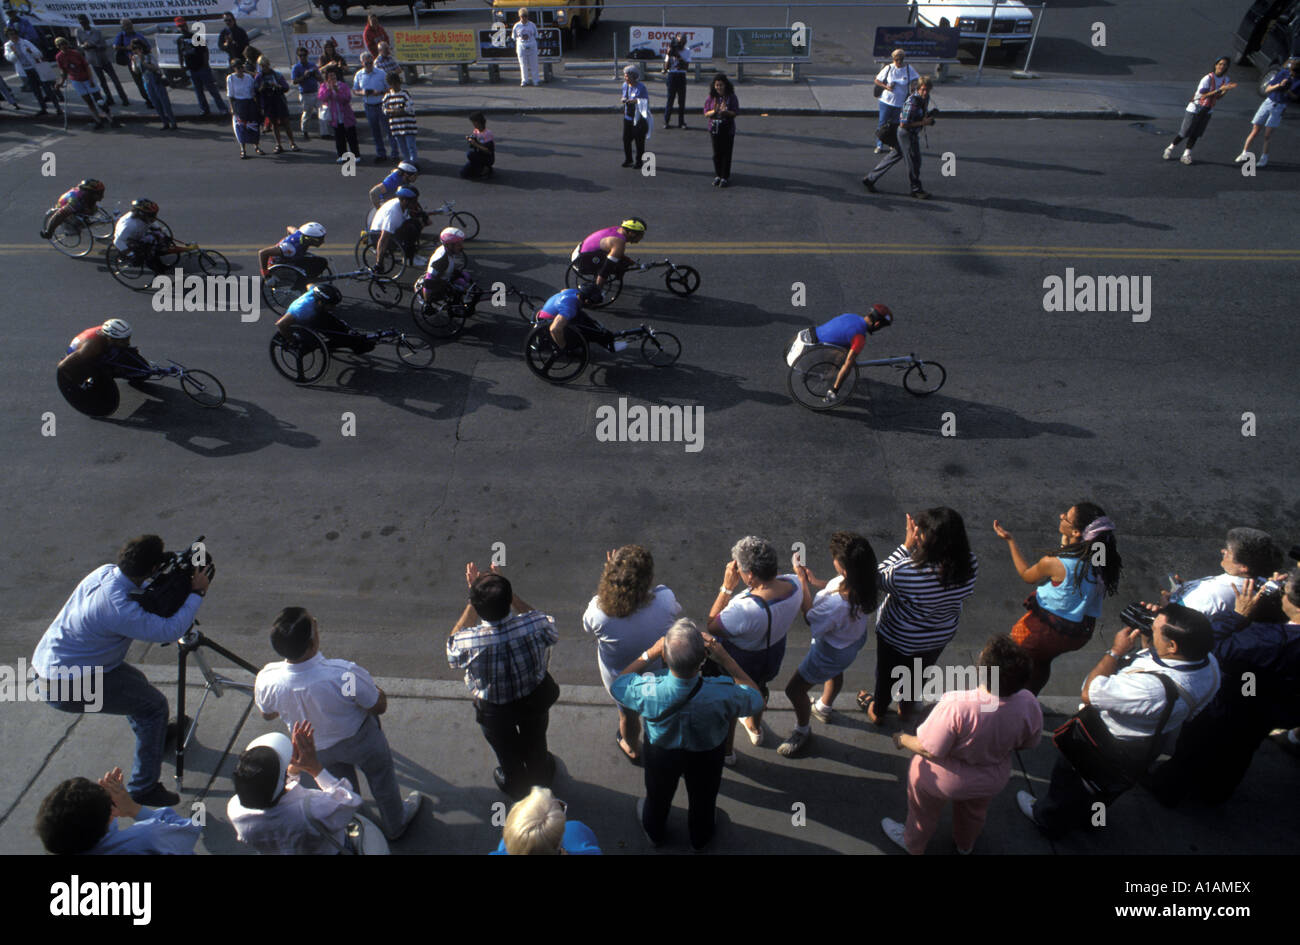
{"type": "Point", "coordinates": [1032, 166]}
{"type": "Point", "coordinates": [430, 394]}
{"type": "Point", "coordinates": [887, 406]}
{"type": "Point", "coordinates": [1053, 212]}
{"type": "Point", "coordinates": [681, 383]}
{"type": "Point", "coordinates": [649, 301]}
{"type": "Point", "coordinates": [238, 426]}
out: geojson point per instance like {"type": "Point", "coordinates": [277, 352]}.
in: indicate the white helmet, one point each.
{"type": "Point", "coordinates": [408, 167]}
{"type": "Point", "coordinates": [313, 231]}
{"type": "Point", "coordinates": [116, 328]}
{"type": "Point", "coordinates": [451, 235]}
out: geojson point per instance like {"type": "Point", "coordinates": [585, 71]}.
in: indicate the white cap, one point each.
{"type": "Point", "coordinates": [282, 746]}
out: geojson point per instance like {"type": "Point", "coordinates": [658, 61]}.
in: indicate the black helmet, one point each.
{"type": "Point", "coordinates": [97, 186]}
{"type": "Point", "coordinates": [325, 293]}
{"type": "Point", "coordinates": [145, 207]}
{"type": "Point", "coordinates": [591, 294]}
{"type": "Point", "coordinates": [882, 317]}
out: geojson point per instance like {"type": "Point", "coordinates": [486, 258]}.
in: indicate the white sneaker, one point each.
{"type": "Point", "coordinates": [1169, 153]}
{"type": "Point", "coordinates": [755, 738]}
{"type": "Point", "coordinates": [1186, 158]}
{"type": "Point", "coordinates": [1241, 158]}
{"type": "Point", "coordinates": [795, 744]}
{"type": "Point", "coordinates": [819, 715]}
{"type": "Point", "coordinates": [880, 149]}
{"type": "Point", "coordinates": [893, 830]}
{"type": "Point", "coordinates": [410, 807]}
{"type": "Point", "coordinates": [1263, 161]}
{"type": "Point", "coordinates": [1025, 801]}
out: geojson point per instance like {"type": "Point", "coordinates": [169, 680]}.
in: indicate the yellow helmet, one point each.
{"type": "Point", "coordinates": [633, 225]}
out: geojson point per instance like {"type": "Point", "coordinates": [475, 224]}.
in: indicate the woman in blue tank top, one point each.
{"type": "Point", "coordinates": [1071, 585]}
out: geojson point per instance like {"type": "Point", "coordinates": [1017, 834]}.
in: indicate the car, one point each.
{"type": "Point", "coordinates": [571, 16]}
{"type": "Point", "coordinates": [1013, 24]}
{"type": "Point", "coordinates": [1269, 34]}
{"type": "Point", "coordinates": [336, 11]}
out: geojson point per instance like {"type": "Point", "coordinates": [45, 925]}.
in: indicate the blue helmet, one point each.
{"type": "Point", "coordinates": [591, 294]}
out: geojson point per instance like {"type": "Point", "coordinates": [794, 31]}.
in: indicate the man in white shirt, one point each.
{"type": "Point", "coordinates": [399, 221]}
{"type": "Point", "coordinates": [273, 813]}
{"type": "Point", "coordinates": [1130, 702]}
{"type": "Point", "coordinates": [343, 705]}
{"type": "Point", "coordinates": [26, 57]}
{"type": "Point", "coordinates": [1247, 553]}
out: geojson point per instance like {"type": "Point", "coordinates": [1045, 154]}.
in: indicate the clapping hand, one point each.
{"type": "Point", "coordinates": [913, 538]}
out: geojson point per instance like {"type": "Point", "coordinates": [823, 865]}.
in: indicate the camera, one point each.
{"type": "Point", "coordinates": [1139, 618]}
{"type": "Point", "coordinates": [167, 590]}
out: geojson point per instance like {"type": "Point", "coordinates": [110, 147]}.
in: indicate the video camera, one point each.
{"type": "Point", "coordinates": [167, 590]}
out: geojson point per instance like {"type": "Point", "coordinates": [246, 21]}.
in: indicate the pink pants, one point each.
{"type": "Point", "coordinates": [924, 810]}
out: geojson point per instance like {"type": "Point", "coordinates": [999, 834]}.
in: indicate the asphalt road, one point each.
{"type": "Point", "coordinates": [371, 532]}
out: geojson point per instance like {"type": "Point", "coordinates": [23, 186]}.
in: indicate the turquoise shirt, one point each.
{"type": "Point", "coordinates": [1065, 600]}
{"type": "Point", "coordinates": [702, 723]}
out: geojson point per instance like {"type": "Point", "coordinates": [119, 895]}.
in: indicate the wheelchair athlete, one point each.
{"type": "Point", "coordinates": [314, 309]}
{"type": "Point", "coordinates": [565, 308]}
{"type": "Point", "coordinates": [296, 250]}
{"type": "Point", "coordinates": [447, 274]}
{"type": "Point", "coordinates": [604, 253]}
{"type": "Point", "coordinates": [850, 331]}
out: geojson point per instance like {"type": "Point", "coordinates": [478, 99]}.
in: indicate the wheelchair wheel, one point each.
{"type": "Point", "coordinates": [101, 224]}
{"type": "Point", "coordinates": [204, 389]}
{"type": "Point", "coordinates": [392, 265]}
{"type": "Point", "coordinates": [527, 310]}
{"type": "Point", "coordinates": [683, 281]}
{"type": "Point", "coordinates": [812, 376]}
{"type": "Point", "coordinates": [467, 222]}
{"type": "Point", "coordinates": [435, 318]}
{"type": "Point", "coordinates": [661, 349]}
{"type": "Point", "coordinates": [71, 237]}
{"type": "Point", "coordinates": [213, 263]}
{"type": "Point", "coordinates": [387, 292]}
{"type": "Point", "coordinates": [133, 275]}
{"type": "Point", "coordinates": [551, 363]}
{"type": "Point", "coordinates": [359, 251]}
{"type": "Point", "coordinates": [303, 359]}
{"type": "Point", "coordinates": [414, 351]}
{"type": "Point", "coordinates": [924, 378]}
{"type": "Point", "coordinates": [281, 287]}
{"type": "Point", "coordinates": [95, 396]}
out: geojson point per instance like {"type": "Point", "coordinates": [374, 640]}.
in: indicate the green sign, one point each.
{"type": "Point", "coordinates": [781, 42]}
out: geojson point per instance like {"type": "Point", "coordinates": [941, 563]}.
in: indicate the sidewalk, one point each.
{"type": "Point", "coordinates": [596, 92]}
{"type": "Point", "coordinates": [830, 801]}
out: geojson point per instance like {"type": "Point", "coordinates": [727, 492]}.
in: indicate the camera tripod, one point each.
{"type": "Point", "coordinates": [214, 684]}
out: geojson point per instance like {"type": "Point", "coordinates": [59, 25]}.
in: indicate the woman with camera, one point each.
{"type": "Point", "coordinates": [926, 580]}
{"type": "Point", "coordinates": [1071, 584]}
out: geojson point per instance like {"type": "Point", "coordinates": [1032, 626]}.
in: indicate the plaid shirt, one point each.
{"type": "Point", "coordinates": [504, 660]}
{"type": "Point", "coordinates": [914, 109]}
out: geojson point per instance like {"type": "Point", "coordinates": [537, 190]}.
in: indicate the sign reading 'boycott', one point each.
{"type": "Point", "coordinates": [655, 40]}
{"type": "Point", "coordinates": [919, 42]}
{"type": "Point", "coordinates": [776, 43]}
{"type": "Point", "coordinates": [435, 45]}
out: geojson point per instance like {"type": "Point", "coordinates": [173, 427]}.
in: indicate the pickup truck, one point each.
{"type": "Point", "coordinates": [1013, 24]}
{"type": "Point", "coordinates": [1269, 34]}
{"type": "Point", "coordinates": [570, 17]}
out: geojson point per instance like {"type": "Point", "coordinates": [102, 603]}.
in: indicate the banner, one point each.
{"type": "Point", "coordinates": [919, 42]}
{"type": "Point", "coordinates": [435, 45]}
{"type": "Point", "coordinates": [169, 57]}
{"type": "Point", "coordinates": [775, 43]}
{"type": "Point", "coordinates": [349, 43]}
{"type": "Point", "coordinates": [655, 39]}
{"type": "Point", "coordinates": [64, 12]}
{"type": "Point", "coordinates": [497, 44]}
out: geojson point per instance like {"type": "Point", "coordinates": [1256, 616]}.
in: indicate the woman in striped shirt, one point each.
{"type": "Point", "coordinates": [400, 112]}
{"type": "Point", "coordinates": [925, 580]}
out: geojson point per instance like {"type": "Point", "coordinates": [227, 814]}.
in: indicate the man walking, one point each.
{"type": "Point", "coordinates": [907, 149]}
{"type": "Point", "coordinates": [505, 660]}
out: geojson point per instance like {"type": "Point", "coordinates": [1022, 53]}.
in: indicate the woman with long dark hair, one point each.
{"type": "Point", "coordinates": [838, 619]}
{"type": "Point", "coordinates": [720, 109]}
{"type": "Point", "coordinates": [1071, 584]}
{"type": "Point", "coordinates": [627, 616]}
{"type": "Point", "coordinates": [926, 579]}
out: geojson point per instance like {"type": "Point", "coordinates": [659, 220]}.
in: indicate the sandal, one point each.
{"type": "Point", "coordinates": [243, 156]}
{"type": "Point", "coordinates": [278, 150]}
{"type": "Point", "coordinates": [258, 150]}
{"type": "Point", "coordinates": [867, 703]}
{"type": "Point", "coordinates": [294, 147]}
{"type": "Point", "coordinates": [625, 748]}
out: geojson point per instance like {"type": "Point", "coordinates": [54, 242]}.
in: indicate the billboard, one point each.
{"type": "Point", "coordinates": [654, 40]}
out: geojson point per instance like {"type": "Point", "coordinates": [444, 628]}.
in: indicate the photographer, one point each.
{"type": "Point", "coordinates": [93, 632]}
{"type": "Point", "coordinates": [1128, 712]}
{"type": "Point", "coordinates": [916, 115]}
{"type": "Point", "coordinates": [1260, 661]}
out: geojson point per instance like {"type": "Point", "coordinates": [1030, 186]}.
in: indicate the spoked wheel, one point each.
{"type": "Point", "coordinates": [414, 351]}
{"type": "Point", "coordinates": [924, 377]}
{"type": "Point", "coordinates": [435, 318]}
{"type": "Point", "coordinates": [71, 237]}
{"type": "Point", "coordinates": [360, 250]}
{"type": "Point", "coordinates": [527, 309]}
{"type": "Point", "coordinates": [281, 287]}
{"type": "Point", "coordinates": [392, 265]}
{"type": "Point", "coordinates": [101, 224]}
{"type": "Point", "coordinates": [204, 389]}
{"type": "Point", "coordinates": [387, 292]}
{"type": "Point", "coordinates": [95, 396]}
{"type": "Point", "coordinates": [661, 349]}
{"type": "Point", "coordinates": [467, 222]}
{"type": "Point", "coordinates": [811, 379]}
{"type": "Point", "coordinates": [132, 274]}
{"type": "Point", "coordinates": [213, 263]}
{"type": "Point", "coordinates": [683, 280]}
{"type": "Point", "coordinates": [303, 358]}
{"type": "Point", "coordinates": [573, 279]}
{"type": "Point", "coordinates": [550, 362]}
